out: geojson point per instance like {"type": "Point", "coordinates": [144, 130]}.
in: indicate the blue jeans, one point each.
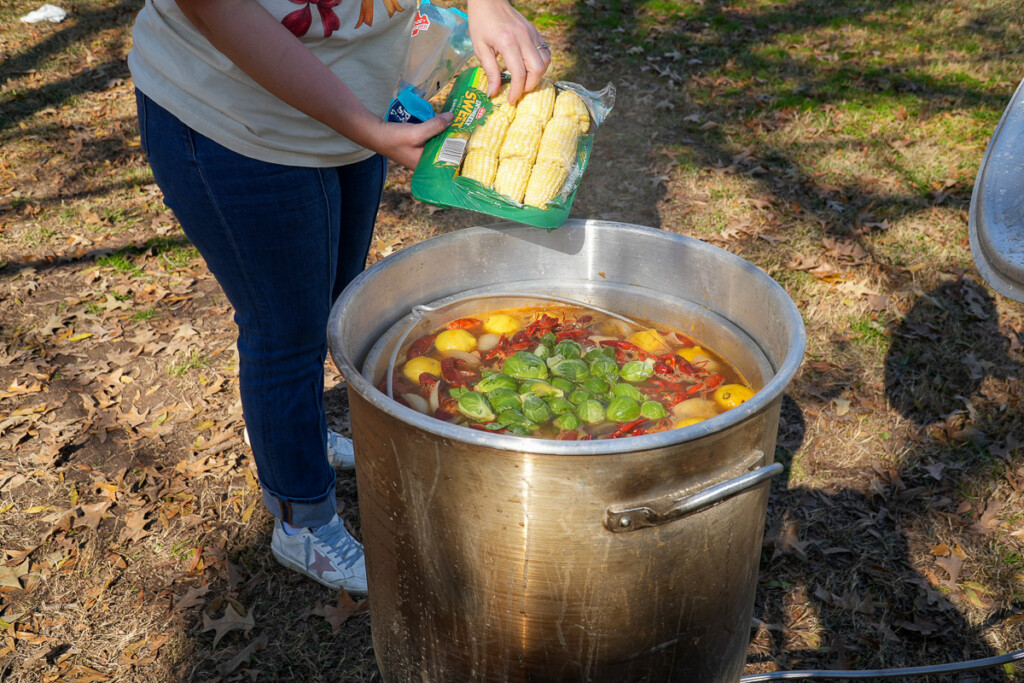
{"type": "Point", "coordinates": [282, 242]}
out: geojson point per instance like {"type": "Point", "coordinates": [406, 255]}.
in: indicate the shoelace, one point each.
{"type": "Point", "coordinates": [342, 547]}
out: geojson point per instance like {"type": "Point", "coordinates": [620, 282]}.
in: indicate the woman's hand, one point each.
{"type": "Point", "coordinates": [403, 142]}
{"type": "Point", "coordinates": [496, 28]}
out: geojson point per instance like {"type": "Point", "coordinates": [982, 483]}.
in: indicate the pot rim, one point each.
{"type": "Point", "coordinates": [762, 400]}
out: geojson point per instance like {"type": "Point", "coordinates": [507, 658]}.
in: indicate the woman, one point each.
{"type": "Point", "coordinates": [263, 123]}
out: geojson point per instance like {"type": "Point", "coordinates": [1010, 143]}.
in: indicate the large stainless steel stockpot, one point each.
{"type": "Point", "coordinates": [494, 557]}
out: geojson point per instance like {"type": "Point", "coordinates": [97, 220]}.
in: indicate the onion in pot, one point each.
{"type": "Point", "coordinates": [694, 407]}
{"type": "Point", "coordinates": [487, 342]}
{"type": "Point", "coordinates": [435, 400]}
{"type": "Point", "coordinates": [418, 403]}
{"type": "Point", "coordinates": [465, 356]}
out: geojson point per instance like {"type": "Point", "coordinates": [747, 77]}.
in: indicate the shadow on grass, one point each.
{"type": "Point", "coordinates": [81, 29]}
{"type": "Point", "coordinates": [838, 588]}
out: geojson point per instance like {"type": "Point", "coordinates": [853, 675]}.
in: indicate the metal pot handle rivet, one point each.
{"type": "Point", "coordinates": [620, 519]}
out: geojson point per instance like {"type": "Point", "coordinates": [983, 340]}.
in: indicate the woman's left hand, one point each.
{"type": "Point", "coordinates": [498, 29]}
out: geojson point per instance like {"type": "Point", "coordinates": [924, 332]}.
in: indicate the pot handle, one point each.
{"type": "Point", "coordinates": [620, 519]}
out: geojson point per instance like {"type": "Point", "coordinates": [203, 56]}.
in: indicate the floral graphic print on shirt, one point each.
{"type": "Point", "coordinates": [300, 21]}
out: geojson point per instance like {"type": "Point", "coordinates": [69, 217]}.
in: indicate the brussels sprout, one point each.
{"type": "Point", "coordinates": [504, 399]}
{"type": "Point", "coordinates": [567, 421]}
{"type": "Point", "coordinates": [549, 339]}
{"type": "Point", "coordinates": [599, 352]}
{"type": "Point", "coordinates": [559, 405]}
{"type": "Point", "coordinates": [510, 418]}
{"type": "Point", "coordinates": [570, 368]}
{"type": "Point", "coordinates": [591, 411]}
{"type": "Point", "coordinates": [623, 409]}
{"type": "Point", "coordinates": [540, 387]}
{"type": "Point", "coordinates": [603, 366]}
{"type": "Point", "coordinates": [492, 382]}
{"type": "Point", "coordinates": [653, 410]}
{"type": "Point", "coordinates": [623, 389]}
{"type": "Point", "coordinates": [535, 409]}
{"type": "Point", "coordinates": [636, 371]}
{"type": "Point", "coordinates": [525, 365]}
{"type": "Point", "coordinates": [562, 383]}
{"type": "Point", "coordinates": [518, 429]}
{"type": "Point", "coordinates": [579, 395]}
{"type": "Point", "coordinates": [475, 406]}
{"type": "Point", "coordinates": [597, 385]}
{"type": "Point", "coordinates": [542, 351]}
{"type": "Point", "coordinates": [567, 348]}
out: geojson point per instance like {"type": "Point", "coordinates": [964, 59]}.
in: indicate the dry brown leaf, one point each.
{"type": "Point", "coordinates": [231, 621]}
{"type": "Point", "coordinates": [243, 655]}
{"type": "Point", "coordinates": [338, 615]}
{"type": "Point", "coordinates": [989, 519]}
{"type": "Point", "coordinates": [877, 302]}
{"type": "Point", "coordinates": [92, 514]}
{"type": "Point", "coordinates": [801, 262]}
{"type": "Point", "coordinates": [10, 576]}
{"type": "Point", "coordinates": [952, 564]}
{"type": "Point", "coordinates": [193, 597]}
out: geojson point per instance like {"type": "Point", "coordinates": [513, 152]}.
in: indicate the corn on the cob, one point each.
{"type": "Point", "coordinates": [569, 105]}
{"type": "Point", "coordinates": [522, 139]}
{"type": "Point", "coordinates": [489, 136]}
{"type": "Point", "coordinates": [558, 143]}
{"type": "Point", "coordinates": [480, 165]}
{"type": "Point", "coordinates": [546, 182]}
{"type": "Point", "coordinates": [537, 103]}
{"type": "Point", "coordinates": [526, 151]}
{"type": "Point", "coordinates": [512, 177]}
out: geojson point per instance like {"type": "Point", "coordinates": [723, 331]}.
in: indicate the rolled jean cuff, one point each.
{"type": "Point", "coordinates": [303, 513]}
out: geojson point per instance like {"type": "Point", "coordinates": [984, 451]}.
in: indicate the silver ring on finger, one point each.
{"type": "Point", "coordinates": [543, 46]}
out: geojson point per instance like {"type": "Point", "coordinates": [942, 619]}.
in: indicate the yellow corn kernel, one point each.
{"type": "Point", "coordinates": [537, 103]}
{"type": "Point", "coordinates": [489, 136]}
{"type": "Point", "coordinates": [481, 166]}
{"type": "Point", "coordinates": [501, 99]}
{"type": "Point", "coordinates": [558, 143]}
{"type": "Point", "coordinates": [522, 140]}
{"type": "Point", "coordinates": [546, 182]}
{"type": "Point", "coordinates": [569, 105]}
{"type": "Point", "coordinates": [512, 177]}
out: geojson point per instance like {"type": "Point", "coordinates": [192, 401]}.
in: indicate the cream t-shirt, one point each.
{"type": "Point", "coordinates": [364, 42]}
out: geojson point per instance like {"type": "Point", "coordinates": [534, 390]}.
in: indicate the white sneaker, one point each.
{"type": "Point", "coordinates": [327, 554]}
{"type": "Point", "coordinates": [340, 452]}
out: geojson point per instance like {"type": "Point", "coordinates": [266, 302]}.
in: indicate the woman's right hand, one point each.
{"type": "Point", "coordinates": [403, 142]}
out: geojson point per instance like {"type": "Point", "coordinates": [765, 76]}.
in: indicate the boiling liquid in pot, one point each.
{"type": "Point", "coordinates": [560, 372]}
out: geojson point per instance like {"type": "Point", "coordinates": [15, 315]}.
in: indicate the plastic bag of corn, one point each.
{"type": "Point", "coordinates": [521, 162]}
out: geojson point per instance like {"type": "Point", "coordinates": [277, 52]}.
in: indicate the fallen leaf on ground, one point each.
{"type": "Point", "coordinates": [10, 576]}
{"type": "Point", "coordinates": [193, 597]}
{"type": "Point", "coordinates": [243, 655]}
{"type": "Point", "coordinates": [952, 564]}
{"type": "Point", "coordinates": [338, 615]}
{"type": "Point", "coordinates": [231, 621]}
{"type": "Point", "coordinates": [989, 519]}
